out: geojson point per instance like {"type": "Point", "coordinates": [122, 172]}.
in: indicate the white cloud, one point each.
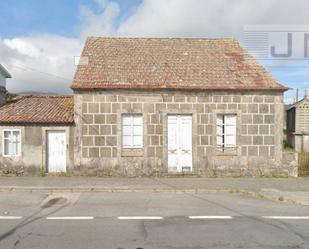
{"type": "Point", "coordinates": [99, 24]}
{"type": "Point", "coordinates": [211, 18]}
{"type": "Point", "coordinates": [45, 62]}
{"type": "Point", "coordinates": [167, 18]}
{"type": "Point", "coordinates": [41, 62]}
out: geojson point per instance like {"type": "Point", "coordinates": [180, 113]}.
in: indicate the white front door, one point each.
{"type": "Point", "coordinates": [179, 143]}
{"type": "Point", "coordinates": [56, 151]}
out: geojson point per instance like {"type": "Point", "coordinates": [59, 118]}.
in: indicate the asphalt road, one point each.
{"type": "Point", "coordinates": [139, 220]}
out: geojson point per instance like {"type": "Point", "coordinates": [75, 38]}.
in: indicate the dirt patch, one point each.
{"type": "Point", "coordinates": [60, 199]}
{"type": "Point", "coordinates": [54, 201]}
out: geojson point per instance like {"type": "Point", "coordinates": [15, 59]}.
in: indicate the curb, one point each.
{"type": "Point", "coordinates": [270, 194]}
{"type": "Point", "coordinates": [111, 190]}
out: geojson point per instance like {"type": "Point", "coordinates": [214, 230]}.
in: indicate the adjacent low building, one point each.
{"type": "Point", "coordinates": [36, 133]}
{"type": "Point", "coordinates": [297, 116]}
{"type": "Point", "coordinates": [4, 74]}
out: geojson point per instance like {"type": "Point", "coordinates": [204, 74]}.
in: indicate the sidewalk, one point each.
{"type": "Point", "coordinates": [182, 183]}
{"type": "Point", "coordinates": [290, 190]}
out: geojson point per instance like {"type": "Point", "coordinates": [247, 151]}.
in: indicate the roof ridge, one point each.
{"type": "Point", "coordinates": [162, 38]}
{"type": "Point", "coordinates": [45, 96]}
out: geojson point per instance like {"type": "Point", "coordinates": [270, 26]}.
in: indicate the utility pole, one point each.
{"type": "Point", "coordinates": [296, 95]}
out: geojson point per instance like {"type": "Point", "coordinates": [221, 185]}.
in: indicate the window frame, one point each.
{"type": "Point", "coordinates": [131, 146]}
{"type": "Point", "coordinates": [221, 148]}
{"type": "Point", "coordinates": [3, 143]}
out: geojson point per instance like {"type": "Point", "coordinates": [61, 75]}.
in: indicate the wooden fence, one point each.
{"type": "Point", "coordinates": [303, 164]}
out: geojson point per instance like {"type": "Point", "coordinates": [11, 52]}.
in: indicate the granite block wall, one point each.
{"type": "Point", "coordinates": [98, 131]}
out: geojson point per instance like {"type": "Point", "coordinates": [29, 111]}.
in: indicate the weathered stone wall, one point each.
{"type": "Point", "coordinates": [290, 163]}
{"type": "Point", "coordinates": [299, 141]}
{"type": "Point", "coordinates": [33, 150]}
{"type": "Point", "coordinates": [98, 131]}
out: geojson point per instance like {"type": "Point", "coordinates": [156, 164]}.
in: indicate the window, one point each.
{"type": "Point", "coordinates": [132, 131]}
{"type": "Point", "coordinates": [226, 132]}
{"type": "Point", "coordinates": [11, 143]}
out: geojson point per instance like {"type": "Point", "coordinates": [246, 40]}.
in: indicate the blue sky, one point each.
{"type": "Point", "coordinates": [20, 17]}
{"type": "Point", "coordinates": [39, 38]}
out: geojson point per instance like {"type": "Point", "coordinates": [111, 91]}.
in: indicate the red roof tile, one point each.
{"type": "Point", "coordinates": [170, 63]}
{"type": "Point", "coordinates": [55, 109]}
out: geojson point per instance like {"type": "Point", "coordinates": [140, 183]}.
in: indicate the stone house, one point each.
{"type": "Point", "coordinates": [157, 106]}
{"type": "Point", "coordinates": [297, 120]}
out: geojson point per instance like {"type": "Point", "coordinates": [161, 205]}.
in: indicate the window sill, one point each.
{"type": "Point", "coordinates": [231, 152]}
{"type": "Point", "coordinates": [132, 152]}
{"type": "Point", "coordinates": [10, 156]}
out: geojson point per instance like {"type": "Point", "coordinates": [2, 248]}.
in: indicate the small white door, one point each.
{"type": "Point", "coordinates": [56, 151]}
{"type": "Point", "coordinates": [179, 143]}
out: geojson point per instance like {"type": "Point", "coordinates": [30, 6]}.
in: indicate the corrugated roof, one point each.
{"type": "Point", "coordinates": [55, 109]}
{"type": "Point", "coordinates": [4, 72]}
{"type": "Point", "coordinates": [170, 63]}
{"type": "Point", "coordinates": [297, 103]}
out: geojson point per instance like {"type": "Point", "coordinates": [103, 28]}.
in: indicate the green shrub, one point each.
{"type": "Point", "coordinates": [42, 173]}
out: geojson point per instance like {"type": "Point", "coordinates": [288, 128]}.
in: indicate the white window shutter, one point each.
{"type": "Point", "coordinates": [127, 130]}
{"type": "Point", "coordinates": [219, 130]}
{"type": "Point", "coordinates": [137, 130]}
{"type": "Point", "coordinates": [220, 120]}
{"type": "Point", "coordinates": [226, 131]}
{"type": "Point", "coordinates": [137, 120]}
{"type": "Point", "coordinates": [127, 120]}
{"type": "Point", "coordinates": [230, 131]}
{"type": "Point", "coordinates": [132, 131]}
{"type": "Point", "coordinates": [6, 147]}
{"type": "Point", "coordinates": [230, 141]}
{"type": "Point", "coordinates": [126, 141]}
{"type": "Point", "coordinates": [12, 142]}
{"type": "Point", "coordinates": [219, 140]}
{"type": "Point", "coordinates": [137, 141]}
{"type": "Point", "coordinates": [230, 119]}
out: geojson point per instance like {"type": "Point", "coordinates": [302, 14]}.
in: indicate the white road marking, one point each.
{"type": "Point", "coordinates": [223, 217]}
{"type": "Point", "coordinates": [210, 217]}
{"type": "Point", "coordinates": [287, 217]}
{"type": "Point", "coordinates": [140, 218]}
{"type": "Point", "coordinates": [10, 217]}
{"type": "Point", "coordinates": [71, 218]}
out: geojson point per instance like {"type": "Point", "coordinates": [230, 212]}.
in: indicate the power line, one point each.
{"type": "Point", "coordinates": [25, 68]}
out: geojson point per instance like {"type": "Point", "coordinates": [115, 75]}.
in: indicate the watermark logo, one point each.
{"type": "Point", "coordinates": [81, 60]}
{"type": "Point", "coordinates": [278, 42]}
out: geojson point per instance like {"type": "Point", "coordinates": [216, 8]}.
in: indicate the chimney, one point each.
{"type": "Point", "coordinates": [305, 96]}
{"type": "Point", "coordinates": [4, 74]}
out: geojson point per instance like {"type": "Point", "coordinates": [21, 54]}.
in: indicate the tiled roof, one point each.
{"type": "Point", "coordinates": [51, 109]}
{"type": "Point", "coordinates": [170, 63]}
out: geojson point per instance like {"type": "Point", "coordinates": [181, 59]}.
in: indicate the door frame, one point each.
{"type": "Point", "coordinates": [47, 150]}
{"type": "Point", "coordinates": [179, 118]}
{"type": "Point", "coordinates": [165, 115]}
{"type": "Point", "coordinates": [45, 131]}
